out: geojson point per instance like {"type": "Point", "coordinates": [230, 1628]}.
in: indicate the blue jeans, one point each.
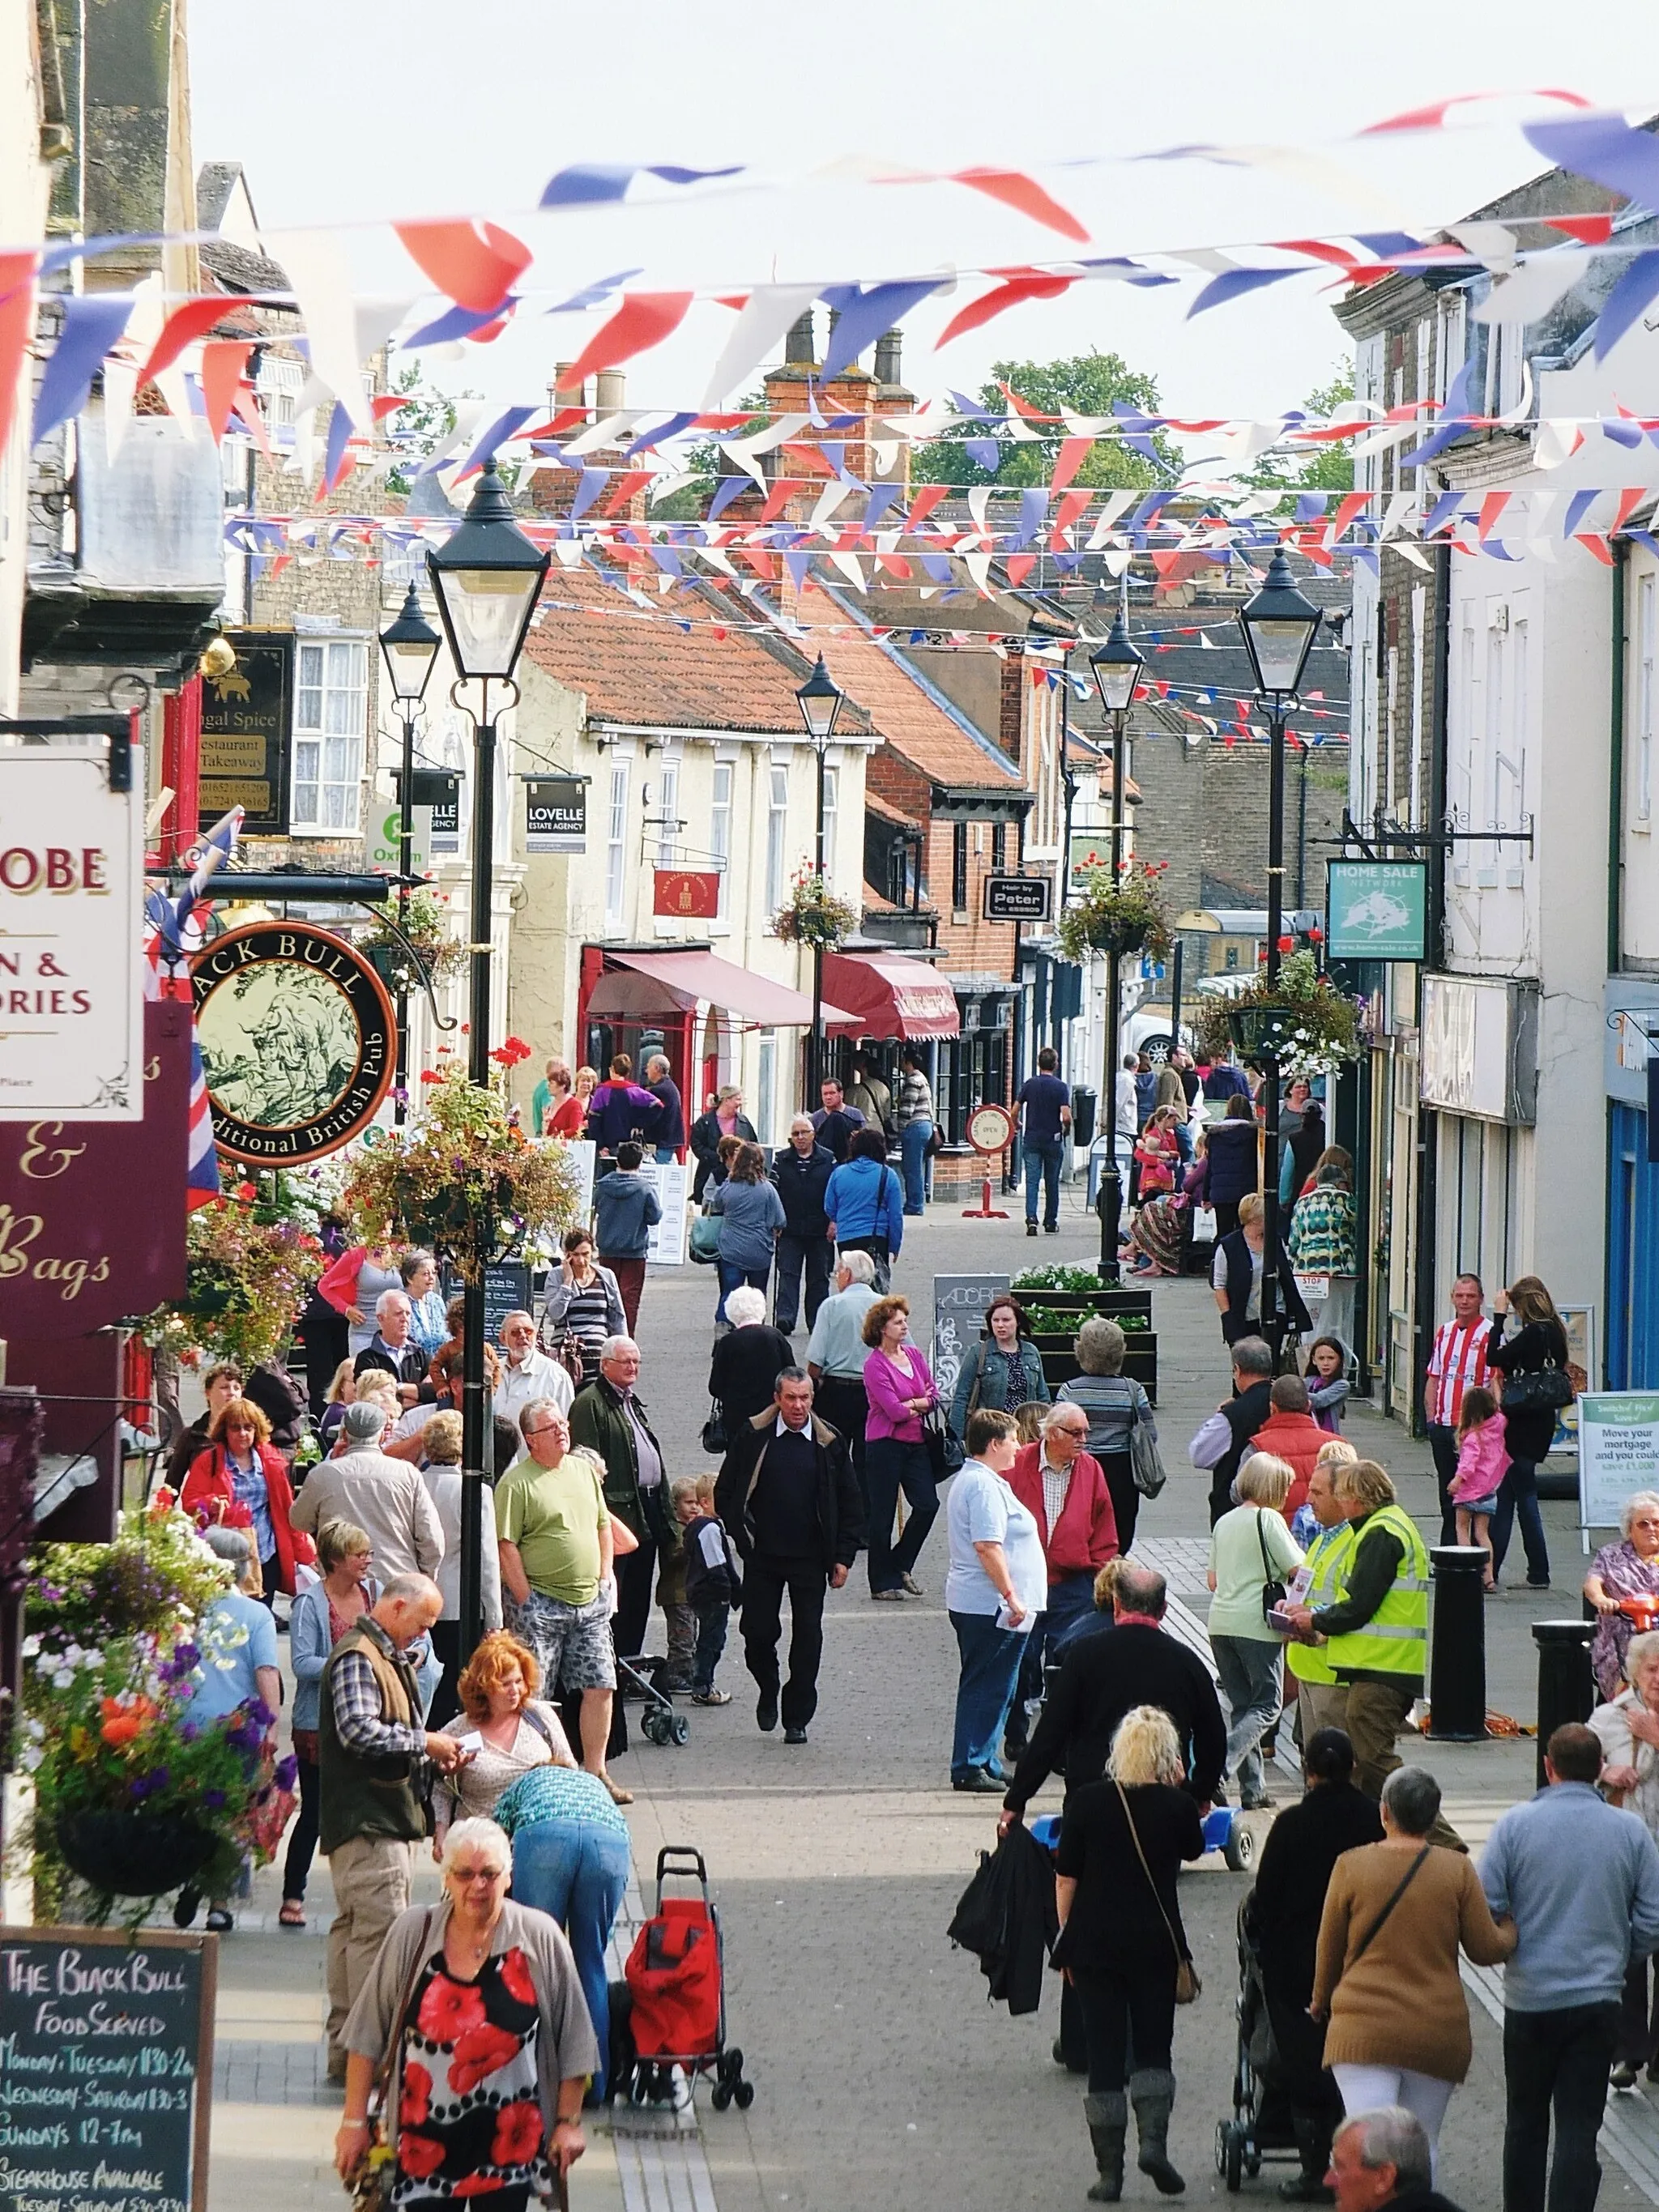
{"type": "Point", "coordinates": [1248, 1667]}
{"type": "Point", "coordinates": [731, 1277]}
{"type": "Point", "coordinates": [985, 1689]}
{"type": "Point", "coordinates": [1517, 1497]}
{"type": "Point", "coordinates": [1070, 1607]}
{"type": "Point", "coordinates": [913, 1140]}
{"type": "Point", "coordinates": [711, 1642]}
{"type": "Point", "coordinates": [1043, 1161]}
{"type": "Point", "coordinates": [665, 1155]}
{"type": "Point", "coordinates": [578, 1874]}
{"type": "Point", "coordinates": [890, 1466]}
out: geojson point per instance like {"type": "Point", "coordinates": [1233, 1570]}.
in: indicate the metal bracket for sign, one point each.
{"type": "Point", "coordinates": [1645, 1020]}
{"type": "Point", "coordinates": [116, 727]}
{"type": "Point", "coordinates": [369, 891]}
{"type": "Point", "coordinates": [1442, 840]}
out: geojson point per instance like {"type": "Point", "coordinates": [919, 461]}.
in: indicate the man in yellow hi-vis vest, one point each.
{"type": "Point", "coordinates": [1321, 1700]}
{"type": "Point", "coordinates": [1377, 1632]}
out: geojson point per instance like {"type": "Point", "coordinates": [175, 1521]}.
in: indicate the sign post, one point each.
{"type": "Point", "coordinates": [990, 1131]}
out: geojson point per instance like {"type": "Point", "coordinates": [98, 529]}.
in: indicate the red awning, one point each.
{"type": "Point", "coordinates": [647, 986]}
{"type": "Point", "coordinates": [891, 996]}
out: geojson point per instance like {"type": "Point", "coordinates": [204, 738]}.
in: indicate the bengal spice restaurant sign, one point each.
{"type": "Point", "coordinates": [72, 897]}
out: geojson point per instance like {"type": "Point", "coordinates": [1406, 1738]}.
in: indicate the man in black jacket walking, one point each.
{"type": "Point", "coordinates": [801, 1170]}
{"type": "Point", "coordinates": [1104, 1675]}
{"type": "Point", "coordinates": [1219, 1444]}
{"type": "Point", "coordinates": [790, 1500]}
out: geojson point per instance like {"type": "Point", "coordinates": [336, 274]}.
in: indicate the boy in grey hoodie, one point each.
{"type": "Point", "coordinates": [626, 1209]}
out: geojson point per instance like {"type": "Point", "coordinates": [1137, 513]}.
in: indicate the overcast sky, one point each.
{"type": "Point", "coordinates": [340, 110]}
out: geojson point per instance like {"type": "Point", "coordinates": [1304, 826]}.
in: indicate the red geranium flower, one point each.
{"type": "Point", "coordinates": [518, 2135]}
{"type": "Point", "coordinates": [447, 2010]}
{"type": "Point", "coordinates": [419, 2154]}
{"type": "Point", "coordinates": [515, 1977]}
{"type": "Point", "coordinates": [477, 2055]}
{"type": "Point", "coordinates": [416, 2103]}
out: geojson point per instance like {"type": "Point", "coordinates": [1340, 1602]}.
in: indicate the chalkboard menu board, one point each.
{"type": "Point", "coordinates": [506, 1290]}
{"type": "Point", "coordinates": [106, 2070]}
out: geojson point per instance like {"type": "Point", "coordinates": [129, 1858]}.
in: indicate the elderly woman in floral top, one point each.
{"type": "Point", "coordinates": [1629, 1567]}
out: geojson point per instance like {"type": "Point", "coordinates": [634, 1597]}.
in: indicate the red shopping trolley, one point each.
{"type": "Point", "coordinates": [676, 1976]}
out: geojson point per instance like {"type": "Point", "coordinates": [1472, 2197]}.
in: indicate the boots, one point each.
{"type": "Point", "coordinates": [1108, 2116]}
{"type": "Point", "coordinates": [1152, 2094]}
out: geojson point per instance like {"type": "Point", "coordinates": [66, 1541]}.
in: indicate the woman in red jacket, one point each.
{"type": "Point", "coordinates": [241, 1482]}
{"type": "Point", "coordinates": [1063, 1486]}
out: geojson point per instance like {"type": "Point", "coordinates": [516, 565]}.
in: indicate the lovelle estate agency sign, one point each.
{"type": "Point", "coordinates": [72, 892]}
{"type": "Point", "coordinates": [298, 1038]}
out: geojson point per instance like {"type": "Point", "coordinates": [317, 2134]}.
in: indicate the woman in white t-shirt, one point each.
{"type": "Point", "coordinates": [995, 1590]}
{"type": "Point", "coordinates": [1249, 1548]}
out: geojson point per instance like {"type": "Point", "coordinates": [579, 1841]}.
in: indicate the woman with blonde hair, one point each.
{"type": "Point", "coordinates": [1121, 1944]}
{"type": "Point", "coordinates": [341, 1392]}
{"type": "Point", "coordinates": [1252, 1556]}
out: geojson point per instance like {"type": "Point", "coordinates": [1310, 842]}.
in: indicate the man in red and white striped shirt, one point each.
{"type": "Point", "coordinates": [1459, 1358]}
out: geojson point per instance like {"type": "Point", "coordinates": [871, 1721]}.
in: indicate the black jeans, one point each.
{"type": "Point", "coordinates": [764, 1581]}
{"type": "Point", "coordinates": [795, 1254]}
{"type": "Point", "coordinates": [891, 1465]}
{"type": "Point", "coordinates": [1517, 1497]}
{"type": "Point", "coordinates": [840, 1399]}
{"type": "Point", "coordinates": [326, 1339]}
{"type": "Point", "coordinates": [634, 1571]}
{"type": "Point", "coordinates": [446, 1699]}
{"type": "Point", "coordinates": [1560, 2061]}
{"type": "Point", "coordinates": [303, 1836]}
{"type": "Point", "coordinates": [711, 1642]}
{"type": "Point", "coordinates": [1125, 2011]}
{"type": "Point", "coordinates": [1638, 2024]}
{"type": "Point", "coordinates": [1443, 1443]}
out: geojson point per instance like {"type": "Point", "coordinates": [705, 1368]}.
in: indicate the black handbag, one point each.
{"type": "Point", "coordinates": [1539, 1390]}
{"type": "Point", "coordinates": [1273, 1590]}
{"type": "Point", "coordinates": [715, 1439]}
{"type": "Point", "coordinates": [946, 1452]}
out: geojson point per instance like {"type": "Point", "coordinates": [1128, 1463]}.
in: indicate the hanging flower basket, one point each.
{"type": "Point", "coordinates": [814, 915]}
{"type": "Point", "coordinates": [1125, 915]}
{"type": "Point", "coordinates": [1300, 1020]}
{"type": "Point", "coordinates": [252, 1254]}
{"type": "Point", "coordinates": [440, 955]}
{"type": "Point", "coordinates": [134, 1854]}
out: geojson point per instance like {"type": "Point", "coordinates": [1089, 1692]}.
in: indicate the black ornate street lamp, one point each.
{"type": "Point", "coordinates": [409, 647]}
{"type": "Point", "coordinates": [1279, 625]}
{"type": "Point", "coordinates": [1117, 667]}
{"type": "Point", "coordinates": [487, 577]}
{"type": "Point", "coordinates": [820, 704]}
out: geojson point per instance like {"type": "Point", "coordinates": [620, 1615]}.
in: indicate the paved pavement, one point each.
{"type": "Point", "coordinates": [883, 2078]}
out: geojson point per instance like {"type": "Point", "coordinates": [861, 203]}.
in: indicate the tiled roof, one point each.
{"type": "Point", "coordinates": [901, 707]}
{"type": "Point", "coordinates": [647, 671]}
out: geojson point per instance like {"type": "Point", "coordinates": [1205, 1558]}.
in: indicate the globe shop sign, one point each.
{"type": "Point", "coordinates": [299, 1040]}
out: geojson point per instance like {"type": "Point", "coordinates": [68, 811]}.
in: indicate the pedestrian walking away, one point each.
{"type": "Point", "coordinates": [1578, 1882]}
{"type": "Point", "coordinates": [916, 1131]}
{"type": "Point", "coordinates": [1045, 1126]}
{"type": "Point", "coordinates": [626, 1209]}
{"type": "Point", "coordinates": [837, 1351]}
{"type": "Point", "coordinates": [1122, 1840]}
{"type": "Point", "coordinates": [1458, 1358]}
{"type": "Point", "coordinates": [1233, 1153]}
{"type": "Point", "coordinates": [801, 1171]}
{"type": "Point", "coordinates": [899, 1385]}
{"type": "Point", "coordinates": [1252, 1555]}
{"type": "Point", "coordinates": [1222, 1441]}
{"type": "Point", "coordinates": [1531, 1356]}
{"type": "Point", "coordinates": [1291, 1433]}
{"type": "Point", "coordinates": [995, 1589]}
{"type": "Point", "coordinates": [787, 1494]}
{"type": "Point", "coordinates": [863, 1201]}
{"type": "Point", "coordinates": [1117, 1406]}
{"type": "Point", "coordinates": [751, 1215]}
{"type": "Point", "coordinates": [1385, 1980]}
{"type": "Point", "coordinates": [747, 1360]}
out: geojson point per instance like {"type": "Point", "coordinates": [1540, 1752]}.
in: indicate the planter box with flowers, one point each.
{"type": "Point", "coordinates": [1123, 915]}
{"type": "Point", "coordinates": [463, 1182]}
{"type": "Point", "coordinates": [1300, 1019]}
{"type": "Point", "coordinates": [133, 1798]}
{"type": "Point", "coordinates": [814, 915]}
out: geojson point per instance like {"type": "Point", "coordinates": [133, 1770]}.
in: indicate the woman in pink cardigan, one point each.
{"type": "Point", "coordinates": [900, 1387]}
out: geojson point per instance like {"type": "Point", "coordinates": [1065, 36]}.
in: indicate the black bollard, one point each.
{"type": "Point", "coordinates": [1566, 1687]}
{"type": "Point", "coordinates": [1457, 1666]}
{"type": "Point", "coordinates": [1108, 1205]}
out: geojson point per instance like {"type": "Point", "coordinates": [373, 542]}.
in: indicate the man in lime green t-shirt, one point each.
{"type": "Point", "coordinates": [557, 1544]}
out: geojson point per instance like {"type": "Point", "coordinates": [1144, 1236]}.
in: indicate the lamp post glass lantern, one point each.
{"type": "Point", "coordinates": [409, 647]}
{"type": "Point", "coordinates": [1117, 667]}
{"type": "Point", "coordinates": [1280, 624]}
{"type": "Point", "coordinates": [487, 577]}
{"type": "Point", "coordinates": [820, 704]}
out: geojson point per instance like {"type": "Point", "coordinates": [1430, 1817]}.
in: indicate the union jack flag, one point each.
{"type": "Point", "coordinates": [166, 951]}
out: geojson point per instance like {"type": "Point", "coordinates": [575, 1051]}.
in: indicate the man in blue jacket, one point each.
{"type": "Point", "coordinates": [1581, 1881]}
{"type": "Point", "coordinates": [670, 1129]}
{"type": "Point", "coordinates": [801, 1171]}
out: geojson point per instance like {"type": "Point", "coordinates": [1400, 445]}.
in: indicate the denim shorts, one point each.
{"type": "Point", "coordinates": [572, 1643]}
{"type": "Point", "coordinates": [1486, 1506]}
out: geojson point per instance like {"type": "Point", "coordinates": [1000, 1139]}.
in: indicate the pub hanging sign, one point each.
{"type": "Point", "coordinates": [299, 1040]}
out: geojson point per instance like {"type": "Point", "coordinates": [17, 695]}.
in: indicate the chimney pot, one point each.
{"type": "Point", "coordinates": [612, 387]}
{"type": "Point", "coordinates": [888, 347]}
{"type": "Point", "coordinates": [799, 349]}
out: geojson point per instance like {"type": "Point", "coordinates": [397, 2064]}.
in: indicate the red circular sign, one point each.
{"type": "Point", "coordinates": [990, 1129]}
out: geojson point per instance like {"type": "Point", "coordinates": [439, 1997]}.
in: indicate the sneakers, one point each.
{"type": "Point", "coordinates": [1030, 1229]}
{"type": "Point", "coordinates": [711, 1697]}
{"type": "Point", "coordinates": [979, 1784]}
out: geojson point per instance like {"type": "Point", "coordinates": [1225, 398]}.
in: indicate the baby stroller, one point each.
{"type": "Point", "coordinates": [1261, 2125]}
{"type": "Point", "coordinates": [676, 1974]}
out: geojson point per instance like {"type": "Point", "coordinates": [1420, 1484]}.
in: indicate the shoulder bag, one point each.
{"type": "Point", "coordinates": [1378, 1924]}
{"type": "Point", "coordinates": [1273, 1590]}
{"type": "Point", "coordinates": [375, 2174]}
{"type": "Point", "coordinates": [1147, 1467]}
{"type": "Point", "coordinates": [1187, 1984]}
{"type": "Point", "coordinates": [1541, 1389]}
{"type": "Point", "coordinates": [714, 1438]}
{"type": "Point", "coordinates": [704, 1244]}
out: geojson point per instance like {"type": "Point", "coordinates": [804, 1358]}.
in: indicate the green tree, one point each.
{"type": "Point", "coordinates": [1315, 468]}
{"type": "Point", "coordinates": [421, 423]}
{"type": "Point", "coordinates": [708, 464]}
{"type": "Point", "coordinates": [1087, 383]}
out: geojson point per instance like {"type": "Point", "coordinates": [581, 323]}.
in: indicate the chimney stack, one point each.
{"type": "Point", "coordinates": [611, 396]}
{"type": "Point", "coordinates": [799, 349]}
{"type": "Point", "coordinates": [888, 348]}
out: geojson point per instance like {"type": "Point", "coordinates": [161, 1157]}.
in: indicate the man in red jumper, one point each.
{"type": "Point", "coordinates": [1063, 1487]}
{"type": "Point", "coordinates": [1292, 1434]}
